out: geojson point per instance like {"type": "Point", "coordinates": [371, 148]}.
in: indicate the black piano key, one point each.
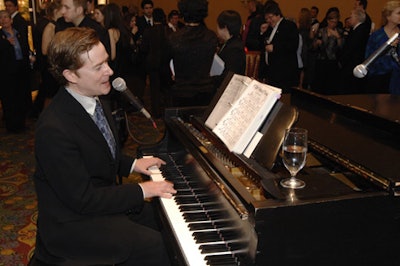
{"type": "Point", "coordinates": [235, 246]}
{"type": "Point", "coordinates": [191, 207]}
{"type": "Point", "coordinates": [198, 207]}
{"type": "Point", "coordinates": [211, 225]}
{"type": "Point", "coordinates": [182, 185]}
{"type": "Point", "coordinates": [219, 260]}
{"type": "Point", "coordinates": [195, 199]}
{"type": "Point", "coordinates": [207, 198]}
{"type": "Point", "coordinates": [205, 237]}
{"type": "Point", "coordinates": [184, 192]}
{"type": "Point", "coordinates": [201, 226]}
{"type": "Point", "coordinates": [204, 215]}
{"type": "Point", "coordinates": [213, 248]}
{"type": "Point", "coordinates": [224, 224]}
{"type": "Point", "coordinates": [171, 173]}
{"type": "Point", "coordinates": [229, 234]}
{"type": "Point", "coordinates": [194, 217]}
{"type": "Point", "coordinates": [220, 235]}
{"type": "Point", "coordinates": [185, 200]}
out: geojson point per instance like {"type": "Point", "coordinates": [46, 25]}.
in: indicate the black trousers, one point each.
{"type": "Point", "coordinates": [134, 239]}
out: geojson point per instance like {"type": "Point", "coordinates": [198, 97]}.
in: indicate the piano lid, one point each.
{"type": "Point", "coordinates": [362, 130]}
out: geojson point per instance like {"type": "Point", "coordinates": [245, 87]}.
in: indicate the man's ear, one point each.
{"type": "Point", "coordinates": [80, 10]}
{"type": "Point", "coordinates": [70, 76]}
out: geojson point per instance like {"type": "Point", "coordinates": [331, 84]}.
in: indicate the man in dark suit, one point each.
{"type": "Point", "coordinates": [353, 53]}
{"type": "Point", "coordinates": [143, 22]}
{"type": "Point", "coordinates": [19, 23]}
{"type": "Point", "coordinates": [282, 40]}
{"type": "Point", "coordinates": [362, 4]}
{"type": "Point", "coordinates": [146, 20]}
{"type": "Point", "coordinates": [85, 218]}
{"type": "Point", "coordinates": [74, 11]}
{"type": "Point", "coordinates": [14, 75]}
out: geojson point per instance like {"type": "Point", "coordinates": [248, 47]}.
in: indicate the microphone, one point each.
{"type": "Point", "coordinates": [120, 85]}
{"type": "Point", "coordinates": [361, 70]}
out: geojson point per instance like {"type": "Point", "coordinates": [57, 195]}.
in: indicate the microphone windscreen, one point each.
{"type": "Point", "coordinates": [119, 84]}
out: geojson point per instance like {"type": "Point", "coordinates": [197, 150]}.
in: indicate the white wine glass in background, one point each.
{"type": "Point", "coordinates": [294, 153]}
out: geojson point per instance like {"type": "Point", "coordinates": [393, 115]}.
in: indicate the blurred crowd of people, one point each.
{"type": "Point", "coordinates": [173, 53]}
{"type": "Point", "coordinates": [327, 50]}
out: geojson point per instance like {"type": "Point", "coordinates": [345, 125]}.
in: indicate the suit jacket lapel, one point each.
{"type": "Point", "coordinates": [82, 120]}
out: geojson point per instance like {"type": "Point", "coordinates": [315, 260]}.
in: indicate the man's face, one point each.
{"type": "Point", "coordinates": [272, 19]}
{"type": "Point", "coordinates": [70, 12]}
{"type": "Point", "coordinates": [92, 79]}
{"type": "Point", "coordinates": [314, 13]}
{"type": "Point", "coordinates": [174, 20]}
{"type": "Point", "coordinates": [353, 19]}
{"type": "Point", "coordinates": [148, 10]}
{"type": "Point", "coordinates": [5, 20]}
{"type": "Point", "coordinates": [252, 6]}
{"type": "Point", "coordinates": [10, 7]}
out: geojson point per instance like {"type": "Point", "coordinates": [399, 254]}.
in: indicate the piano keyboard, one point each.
{"type": "Point", "coordinates": [200, 223]}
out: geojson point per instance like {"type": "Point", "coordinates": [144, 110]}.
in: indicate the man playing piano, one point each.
{"type": "Point", "coordinates": [84, 217]}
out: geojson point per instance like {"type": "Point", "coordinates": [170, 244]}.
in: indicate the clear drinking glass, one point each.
{"type": "Point", "coordinates": [294, 153]}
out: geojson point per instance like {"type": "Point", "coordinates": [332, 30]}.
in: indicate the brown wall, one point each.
{"type": "Point", "coordinates": [290, 8]}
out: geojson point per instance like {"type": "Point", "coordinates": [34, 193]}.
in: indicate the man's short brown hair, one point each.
{"type": "Point", "coordinates": [66, 48]}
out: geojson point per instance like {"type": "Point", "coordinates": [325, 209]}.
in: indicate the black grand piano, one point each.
{"type": "Point", "coordinates": [231, 210]}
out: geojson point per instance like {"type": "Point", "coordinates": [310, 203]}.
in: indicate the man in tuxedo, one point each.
{"type": "Point", "coordinates": [74, 14]}
{"type": "Point", "coordinates": [314, 15]}
{"type": "Point", "coordinates": [85, 218]}
{"type": "Point", "coordinates": [281, 42]}
{"type": "Point", "coordinates": [353, 53]}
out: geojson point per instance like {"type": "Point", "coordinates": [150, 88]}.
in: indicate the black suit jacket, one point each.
{"type": "Point", "coordinates": [353, 51]}
{"type": "Point", "coordinates": [192, 50]}
{"type": "Point", "coordinates": [353, 54]}
{"type": "Point", "coordinates": [234, 56]}
{"type": "Point", "coordinates": [154, 47]}
{"type": "Point", "coordinates": [101, 32]}
{"type": "Point", "coordinates": [20, 24]}
{"type": "Point", "coordinates": [282, 70]}
{"type": "Point", "coordinates": [81, 209]}
{"type": "Point", "coordinates": [141, 23]}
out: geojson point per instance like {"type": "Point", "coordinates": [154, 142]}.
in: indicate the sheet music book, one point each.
{"type": "Point", "coordinates": [241, 110]}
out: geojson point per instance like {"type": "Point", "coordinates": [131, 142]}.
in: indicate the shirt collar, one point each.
{"type": "Point", "coordinates": [14, 14]}
{"type": "Point", "coordinates": [358, 24]}
{"type": "Point", "coordinates": [88, 103]}
{"type": "Point", "coordinates": [277, 24]}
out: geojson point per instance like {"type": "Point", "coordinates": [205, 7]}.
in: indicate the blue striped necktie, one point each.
{"type": "Point", "coordinates": [102, 124]}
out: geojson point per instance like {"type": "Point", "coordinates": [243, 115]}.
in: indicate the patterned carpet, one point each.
{"type": "Point", "coordinates": [18, 206]}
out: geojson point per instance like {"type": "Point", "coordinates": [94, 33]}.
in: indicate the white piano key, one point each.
{"type": "Point", "coordinates": [189, 247]}
{"type": "Point", "coordinates": [179, 227]}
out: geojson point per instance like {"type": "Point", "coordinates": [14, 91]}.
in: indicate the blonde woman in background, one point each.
{"type": "Point", "coordinates": [384, 73]}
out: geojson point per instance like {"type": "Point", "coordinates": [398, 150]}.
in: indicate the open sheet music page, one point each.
{"type": "Point", "coordinates": [232, 92]}
{"type": "Point", "coordinates": [239, 124]}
